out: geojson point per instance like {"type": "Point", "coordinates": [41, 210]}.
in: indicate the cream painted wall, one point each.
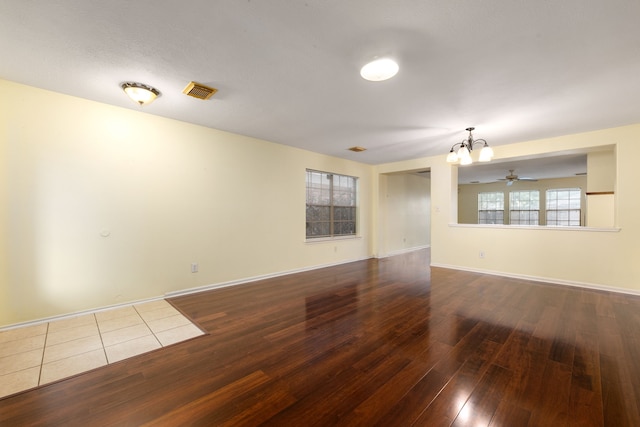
{"type": "Point", "coordinates": [406, 219]}
{"type": "Point", "coordinates": [601, 167]}
{"type": "Point", "coordinates": [104, 205]}
{"type": "Point", "coordinates": [600, 210]}
{"type": "Point", "coordinates": [606, 259]}
{"type": "Point", "coordinates": [601, 189]}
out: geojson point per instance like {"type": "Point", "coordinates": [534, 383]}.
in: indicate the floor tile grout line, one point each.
{"type": "Point", "coordinates": [181, 326]}
{"type": "Point", "coordinates": [11, 342]}
{"type": "Point", "coordinates": [126, 341]}
{"type": "Point", "coordinates": [104, 349]}
{"type": "Point", "coordinates": [44, 347]}
{"type": "Point", "coordinates": [19, 370]}
{"type": "Point", "coordinates": [19, 352]}
{"type": "Point", "coordinates": [145, 322]}
{"type": "Point", "coordinates": [120, 329]}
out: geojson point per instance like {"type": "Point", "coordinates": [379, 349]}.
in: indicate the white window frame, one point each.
{"type": "Point", "coordinates": [524, 208]}
{"type": "Point", "coordinates": [331, 205]}
{"type": "Point", "coordinates": [490, 210]}
{"type": "Point", "coordinates": [571, 213]}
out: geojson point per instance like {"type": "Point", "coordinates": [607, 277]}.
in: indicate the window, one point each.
{"type": "Point", "coordinates": [563, 207]}
{"type": "Point", "coordinates": [491, 208]}
{"type": "Point", "coordinates": [524, 207]}
{"type": "Point", "coordinates": [331, 204]}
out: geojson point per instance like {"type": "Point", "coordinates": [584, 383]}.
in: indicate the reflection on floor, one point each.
{"type": "Point", "coordinates": [43, 353]}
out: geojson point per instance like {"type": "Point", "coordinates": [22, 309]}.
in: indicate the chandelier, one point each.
{"type": "Point", "coordinates": [464, 149]}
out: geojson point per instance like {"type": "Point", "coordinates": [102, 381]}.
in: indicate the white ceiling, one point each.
{"type": "Point", "coordinates": [554, 166]}
{"type": "Point", "coordinates": [288, 71]}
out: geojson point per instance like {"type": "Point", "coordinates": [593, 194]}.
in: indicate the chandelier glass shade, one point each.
{"type": "Point", "coordinates": [462, 150]}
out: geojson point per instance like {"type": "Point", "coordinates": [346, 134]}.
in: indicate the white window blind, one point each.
{"type": "Point", "coordinates": [331, 204]}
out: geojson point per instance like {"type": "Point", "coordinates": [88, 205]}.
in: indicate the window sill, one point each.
{"type": "Point", "coordinates": [331, 239]}
{"type": "Point", "coordinates": [538, 227]}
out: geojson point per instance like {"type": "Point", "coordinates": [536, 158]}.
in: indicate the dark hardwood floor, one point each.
{"type": "Point", "coordinates": [372, 343]}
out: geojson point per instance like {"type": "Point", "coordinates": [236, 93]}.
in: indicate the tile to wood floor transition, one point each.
{"type": "Point", "coordinates": [40, 354]}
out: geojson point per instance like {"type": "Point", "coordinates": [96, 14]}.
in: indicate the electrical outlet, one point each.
{"type": "Point", "coordinates": [194, 267]}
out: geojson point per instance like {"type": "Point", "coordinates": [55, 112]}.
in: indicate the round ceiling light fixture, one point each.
{"type": "Point", "coordinates": [140, 93]}
{"type": "Point", "coordinates": [379, 70]}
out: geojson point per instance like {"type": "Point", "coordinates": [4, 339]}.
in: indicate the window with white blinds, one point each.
{"type": "Point", "coordinates": [564, 207]}
{"type": "Point", "coordinates": [491, 208]}
{"type": "Point", "coordinates": [331, 204]}
{"type": "Point", "coordinates": [524, 207]}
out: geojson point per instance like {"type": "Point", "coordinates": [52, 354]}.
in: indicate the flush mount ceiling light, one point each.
{"type": "Point", "coordinates": [379, 70]}
{"type": "Point", "coordinates": [464, 151]}
{"type": "Point", "coordinates": [140, 93]}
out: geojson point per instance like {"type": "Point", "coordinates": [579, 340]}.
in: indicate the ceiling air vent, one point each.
{"type": "Point", "coordinates": [199, 91]}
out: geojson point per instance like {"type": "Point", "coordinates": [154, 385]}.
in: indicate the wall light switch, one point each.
{"type": "Point", "coordinates": [194, 267]}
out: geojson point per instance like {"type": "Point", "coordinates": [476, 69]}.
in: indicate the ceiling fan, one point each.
{"type": "Point", "coordinates": [511, 178]}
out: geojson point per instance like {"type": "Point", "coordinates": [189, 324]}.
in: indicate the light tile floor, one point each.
{"type": "Point", "coordinates": [43, 353]}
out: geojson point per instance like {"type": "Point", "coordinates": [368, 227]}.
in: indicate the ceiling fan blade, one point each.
{"type": "Point", "coordinates": [527, 179]}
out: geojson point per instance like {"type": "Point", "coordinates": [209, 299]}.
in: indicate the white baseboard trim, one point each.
{"type": "Point", "coordinates": [550, 280]}
{"type": "Point", "coordinates": [403, 251]}
{"type": "Point", "coordinates": [171, 294]}
{"type": "Point", "coordinates": [246, 280]}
